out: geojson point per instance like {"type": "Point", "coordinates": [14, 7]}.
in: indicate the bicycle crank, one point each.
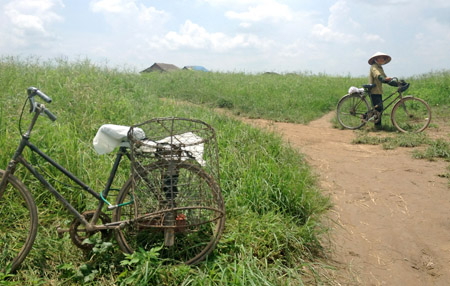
{"type": "Point", "coordinates": [374, 116]}
{"type": "Point", "coordinates": [78, 232]}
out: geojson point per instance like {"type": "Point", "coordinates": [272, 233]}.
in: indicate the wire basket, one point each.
{"type": "Point", "coordinates": [175, 171]}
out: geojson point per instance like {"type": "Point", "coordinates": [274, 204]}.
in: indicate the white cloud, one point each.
{"type": "Point", "coordinates": [234, 3]}
{"type": "Point", "coordinates": [128, 14]}
{"type": "Point", "coordinates": [263, 11]}
{"type": "Point", "coordinates": [433, 42]}
{"type": "Point", "coordinates": [27, 23]}
{"type": "Point", "coordinates": [373, 38]}
{"type": "Point", "coordinates": [342, 28]}
{"type": "Point", "coordinates": [194, 36]}
{"type": "Point", "coordinates": [404, 4]}
{"type": "Point", "coordinates": [299, 49]}
{"type": "Point", "coordinates": [339, 14]}
{"type": "Point", "coordinates": [31, 15]}
{"type": "Point", "coordinates": [338, 21]}
{"type": "Point", "coordinates": [113, 6]}
{"type": "Point", "coordinates": [326, 33]}
{"type": "Point", "coordinates": [251, 35]}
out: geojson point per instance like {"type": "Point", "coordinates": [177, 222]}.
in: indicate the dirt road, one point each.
{"type": "Point", "coordinates": [391, 212]}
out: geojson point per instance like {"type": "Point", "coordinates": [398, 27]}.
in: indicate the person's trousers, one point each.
{"type": "Point", "coordinates": [377, 99]}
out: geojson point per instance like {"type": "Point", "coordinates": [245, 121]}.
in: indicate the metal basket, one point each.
{"type": "Point", "coordinates": [175, 171]}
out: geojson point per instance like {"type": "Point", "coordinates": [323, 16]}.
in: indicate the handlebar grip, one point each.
{"type": "Point", "coordinates": [42, 95]}
{"type": "Point", "coordinates": [50, 114]}
{"type": "Point", "coordinates": [35, 91]}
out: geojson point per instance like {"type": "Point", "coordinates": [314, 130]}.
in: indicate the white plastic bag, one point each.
{"type": "Point", "coordinates": [354, 89]}
{"type": "Point", "coordinates": [110, 136]}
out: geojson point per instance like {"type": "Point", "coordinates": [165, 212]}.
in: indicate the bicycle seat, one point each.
{"type": "Point", "coordinates": [369, 86]}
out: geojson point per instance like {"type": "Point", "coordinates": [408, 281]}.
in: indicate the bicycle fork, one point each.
{"type": "Point", "coordinates": [11, 168]}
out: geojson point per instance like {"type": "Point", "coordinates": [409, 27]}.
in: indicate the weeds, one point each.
{"type": "Point", "coordinates": [5, 276]}
{"type": "Point", "coordinates": [259, 174]}
{"type": "Point", "coordinates": [392, 142]}
{"type": "Point", "coordinates": [103, 261]}
{"type": "Point", "coordinates": [437, 149]}
{"type": "Point", "coordinates": [272, 199]}
{"type": "Point", "coordinates": [141, 268]}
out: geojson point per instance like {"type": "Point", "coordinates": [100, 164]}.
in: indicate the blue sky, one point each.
{"type": "Point", "coordinates": [333, 37]}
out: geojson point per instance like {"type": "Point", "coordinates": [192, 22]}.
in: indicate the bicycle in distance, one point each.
{"type": "Point", "coordinates": [408, 114]}
{"type": "Point", "coordinates": [171, 200]}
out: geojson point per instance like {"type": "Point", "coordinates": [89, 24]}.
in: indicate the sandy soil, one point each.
{"type": "Point", "coordinates": [390, 224]}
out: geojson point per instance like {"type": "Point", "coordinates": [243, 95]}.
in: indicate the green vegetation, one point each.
{"type": "Point", "coordinates": [292, 97]}
{"type": "Point", "coordinates": [433, 148]}
{"type": "Point", "coordinates": [392, 142]}
{"type": "Point", "coordinates": [273, 203]}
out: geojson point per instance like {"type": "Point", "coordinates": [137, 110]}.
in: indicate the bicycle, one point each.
{"type": "Point", "coordinates": [409, 113]}
{"type": "Point", "coordinates": [169, 201]}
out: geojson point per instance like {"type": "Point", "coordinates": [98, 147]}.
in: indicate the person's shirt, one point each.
{"type": "Point", "coordinates": [374, 78]}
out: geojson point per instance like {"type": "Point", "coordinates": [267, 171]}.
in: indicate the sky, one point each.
{"type": "Point", "coordinates": [335, 37]}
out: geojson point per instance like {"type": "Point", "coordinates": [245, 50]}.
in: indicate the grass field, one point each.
{"type": "Point", "coordinates": [272, 200]}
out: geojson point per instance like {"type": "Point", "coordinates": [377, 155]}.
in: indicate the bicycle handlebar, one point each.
{"type": "Point", "coordinates": [50, 114]}
{"type": "Point", "coordinates": [32, 91]}
{"type": "Point", "coordinates": [401, 84]}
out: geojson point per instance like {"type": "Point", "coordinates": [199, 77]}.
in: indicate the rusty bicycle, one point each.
{"type": "Point", "coordinates": [172, 199]}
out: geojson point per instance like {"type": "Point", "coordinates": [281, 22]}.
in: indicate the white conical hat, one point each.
{"type": "Point", "coordinates": [379, 54]}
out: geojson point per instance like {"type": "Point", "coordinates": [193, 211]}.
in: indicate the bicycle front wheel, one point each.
{"type": "Point", "coordinates": [18, 224]}
{"type": "Point", "coordinates": [352, 110]}
{"type": "Point", "coordinates": [176, 206]}
{"type": "Point", "coordinates": [411, 114]}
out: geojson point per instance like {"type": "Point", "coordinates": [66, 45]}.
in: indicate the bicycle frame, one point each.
{"type": "Point", "coordinates": [384, 100]}
{"type": "Point", "coordinates": [18, 158]}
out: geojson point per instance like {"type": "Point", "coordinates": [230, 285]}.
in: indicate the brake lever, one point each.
{"type": "Point", "coordinates": [32, 104]}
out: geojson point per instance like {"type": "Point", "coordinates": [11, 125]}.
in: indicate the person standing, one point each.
{"type": "Point", "coordinates": [378, 77]}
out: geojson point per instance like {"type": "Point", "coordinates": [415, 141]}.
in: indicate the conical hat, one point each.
{"type": "Point", "coordinates": [379, 54]}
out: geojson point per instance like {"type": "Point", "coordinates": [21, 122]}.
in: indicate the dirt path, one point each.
{"type": "Point", "coordinates": [392, 212]}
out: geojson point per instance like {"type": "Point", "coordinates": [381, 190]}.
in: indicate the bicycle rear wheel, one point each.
{"type": "Point", "coordinates": [411, 114]}
{"type": "Point", "coordinates": [351, 110]}
{"type": "Point", "coordinates": [183, 213]}
{"type": "Point", "coordinates": [18, 224]}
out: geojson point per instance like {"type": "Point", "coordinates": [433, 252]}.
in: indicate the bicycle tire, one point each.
{"type": "Point", "coordinates": [198, 198]}
{"type": "Point", "coordinates": [18, 224]}
{"type": "Point", "coordinates": [350, 111]}
{"type": "Point", "coordinates": [411, 114]}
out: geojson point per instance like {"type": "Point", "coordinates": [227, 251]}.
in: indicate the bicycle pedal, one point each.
{"type": "Point", "coordinates": [61, 231]}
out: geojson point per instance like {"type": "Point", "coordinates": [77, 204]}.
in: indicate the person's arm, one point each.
{"type": "Point", "coordinates": [384, 79]}
{"type": "Point", "coordinates": [387, 80]}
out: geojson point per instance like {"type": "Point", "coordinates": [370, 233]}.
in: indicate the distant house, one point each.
{"type": "Point", "coordinates": [160, 67]}
{"type": "Point", "coordinates": [195, 68]}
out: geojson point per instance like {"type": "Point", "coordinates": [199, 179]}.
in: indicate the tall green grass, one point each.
{"type": "Point", "coordinates": [292, 97]}
{"type": "Point", "coordinates": [273, 203]}
{"type": "Point", "coordinates": [272, 200]}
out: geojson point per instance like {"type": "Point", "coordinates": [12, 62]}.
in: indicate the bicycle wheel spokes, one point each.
{"type": "Point", "coordinates": [411, 114]}
{"type": "Point", "coordinates": [183, 214]}
{"type": "Point", "coordinates": [18, 224]}
{"type": "Point", "coordinates": [351, 110]}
